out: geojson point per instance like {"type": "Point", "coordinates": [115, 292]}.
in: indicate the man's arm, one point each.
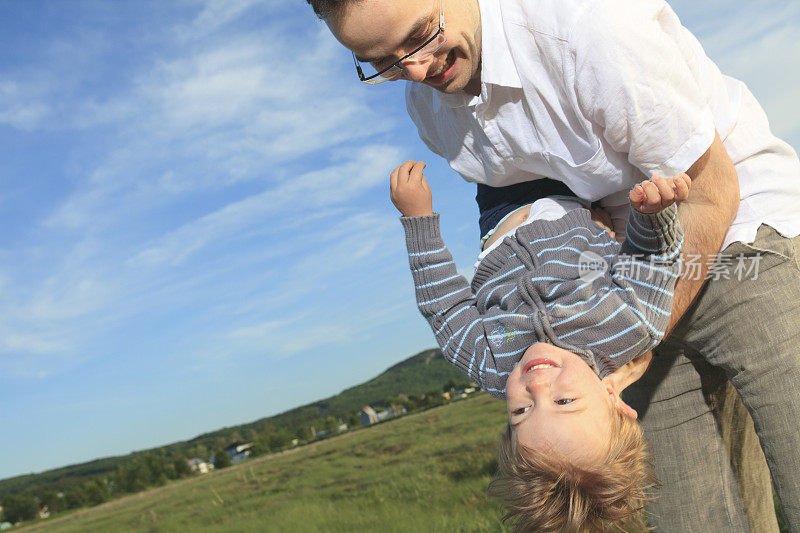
{"type": "Point", "coordinates": [705, 216]}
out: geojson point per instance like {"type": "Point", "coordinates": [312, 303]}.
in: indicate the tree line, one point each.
{"type": "Point", "coordinates": [154, 468]}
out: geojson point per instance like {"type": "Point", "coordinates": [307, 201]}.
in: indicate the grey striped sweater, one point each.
{"type": "Point", "coordinates": [538, 286]}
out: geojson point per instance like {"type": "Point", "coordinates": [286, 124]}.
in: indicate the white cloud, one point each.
{"type": "Point", "coordinates": [224, 113]}
{"type": "Point", "coordinates": [329, 186]}
{"type": "Point", "coordinates": [215, 13]}
{"type": "Point", "coordinates": [20, 105]}
{"type": "Point", "coordinates": [756, 43]}
{"type": "Point", "coordinates": [282, 338]}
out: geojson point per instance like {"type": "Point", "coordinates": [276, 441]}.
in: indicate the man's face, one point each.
{"type": "Point", "coordinates": [556, 402]}
{"type": "Point", "coordinates": [382, 31]}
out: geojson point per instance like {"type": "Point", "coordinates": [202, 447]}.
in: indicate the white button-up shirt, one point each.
{"type": "Point", "coordinates": [601, 94]}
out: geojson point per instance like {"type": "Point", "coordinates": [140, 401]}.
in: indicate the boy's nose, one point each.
{"type": "Point", "coordinates": [539, 383]}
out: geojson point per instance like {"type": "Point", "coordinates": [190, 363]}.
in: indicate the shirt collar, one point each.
{"type": "Point", "coordinates": [497, 64]}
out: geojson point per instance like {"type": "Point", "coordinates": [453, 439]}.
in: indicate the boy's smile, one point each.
{"type": "Point", "coordinates": [556, 401]}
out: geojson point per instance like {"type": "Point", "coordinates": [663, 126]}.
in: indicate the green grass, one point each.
{"type": "Point", "coordinates": [424, 472]}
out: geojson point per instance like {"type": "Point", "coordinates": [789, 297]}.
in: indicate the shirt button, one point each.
{"type": "Point", "coordinates": [518, 159]}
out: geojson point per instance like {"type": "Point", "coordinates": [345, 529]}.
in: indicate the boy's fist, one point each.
{"type": "Point", "coordinates": [409, 190]}
{"type": "Point", "coordinates": [651, 196]}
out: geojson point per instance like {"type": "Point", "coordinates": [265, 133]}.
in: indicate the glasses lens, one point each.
{"type": "Point", "coordinates": [429, 49]}
{"type": "Point", "coordinates": [394, 73]}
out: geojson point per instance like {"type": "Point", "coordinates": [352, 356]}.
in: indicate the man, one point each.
{"type": "Point", "coordinates": [597, 94]}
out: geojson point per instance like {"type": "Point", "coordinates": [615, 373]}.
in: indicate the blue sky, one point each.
{"type": "Point", "coordinates": [196, 229]}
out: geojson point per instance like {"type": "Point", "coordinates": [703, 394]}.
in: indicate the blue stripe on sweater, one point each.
{"type": "Point", "coordinates": [609, 317]}
{"type": "Point", "coordinates": [464, 337]}
{"type": "Point", "coordinates": [436, 265]}
{"type": "Point", "coordinates": [486, 299]}
{"type": "Point", "coordinates": [431, 284]}
{"type": "Point", "coordinates": [503, 299]}
{"type": "Point", "coordinates": [627, 350]}
{"type": "Point", "coordinates": [671, 256]}
{"type": "Point", "coordinates": [616, 335]}
{"type": "Point", "coordinates": [428, 302]}
{"type": "Point", "coordinates": [436, 333]}
{"type": "Point", "coordinates": [496, 372]}
{"type": "Point", "coordinates": [596, 244]}
{"type": "Point", "coordinates": [577, 228]}
{"type": "Point", "coordinates": [498, 278]}
{"type": "Point", "coordinates": [555, 288]}
{"type": "Point", "coordinates": [561, 248]}
{"type": "Point", "coordinates": [418, 254]}
{"type": "Point", "coordinates": [659, 289]}
{"type": "Point", "coordinates": [559, 262]}
{"type": "Point", "coordinates": [573, 317]}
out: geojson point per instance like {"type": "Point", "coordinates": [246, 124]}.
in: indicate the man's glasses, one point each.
{"type": "Point", "coordinates": [377, 73]}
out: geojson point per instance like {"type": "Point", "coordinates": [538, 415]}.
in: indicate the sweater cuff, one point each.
{"type": "Point", "coordinates": [656, 233]}
{"type": "Point", "coordinates": [422, 233]}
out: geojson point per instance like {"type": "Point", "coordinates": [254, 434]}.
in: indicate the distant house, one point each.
{"type": "Point", "coordinates": [369, 416]}
{"type": "Point", "coordinates": [199, 466]}
{"type": "Point", "coordinates": [238, 451]}
{"type": "Point", "coordinates": [341, 428]}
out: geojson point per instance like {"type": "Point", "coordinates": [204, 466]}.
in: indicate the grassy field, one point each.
{"type": "Point", "coordinates": [424, 472]}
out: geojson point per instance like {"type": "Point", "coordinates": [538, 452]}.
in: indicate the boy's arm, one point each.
{"type": "Point", "coordinates": [653, 227]}
{"type": "Point", "coordinates": [638, 296]}
{"type": "Point", "coordinates": [445, 298]}
{"type": "Point", "coordinates": [482, 345]}
{"type": "Point", "coordinates": [648, 266]}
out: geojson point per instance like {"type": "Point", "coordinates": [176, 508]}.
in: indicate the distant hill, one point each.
{"type": "Point", "coordinates": [421, 373]}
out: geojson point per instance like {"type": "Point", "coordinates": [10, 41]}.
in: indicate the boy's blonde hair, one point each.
{"type": "Point", "coordinates": [544, 492]}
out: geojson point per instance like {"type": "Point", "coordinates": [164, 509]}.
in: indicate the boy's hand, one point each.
{"type": "Point", "coordinates": [651, 196]}
{"type": "Point", "coordinates": [409, 190]}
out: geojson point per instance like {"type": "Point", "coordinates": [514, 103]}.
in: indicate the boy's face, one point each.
{"type": "Point", "coordinates": [556, 401]}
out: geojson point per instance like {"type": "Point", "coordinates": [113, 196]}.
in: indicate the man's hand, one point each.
{"type": "Point", "coordinates": [409, 190]}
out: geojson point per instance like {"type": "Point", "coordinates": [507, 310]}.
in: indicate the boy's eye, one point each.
{"type": "Point", "coordinates": [565, 401]}
{"type": "Point", "coordinates": [520, 411]}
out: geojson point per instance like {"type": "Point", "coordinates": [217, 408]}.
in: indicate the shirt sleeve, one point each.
{"type": "Point", "coordinates": [484, 345]}
{"type": "Point", "coordinates": [638, 76]}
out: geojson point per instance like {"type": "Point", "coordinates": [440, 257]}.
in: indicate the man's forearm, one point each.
{"type": "Point", "coordinates": [705, 216]}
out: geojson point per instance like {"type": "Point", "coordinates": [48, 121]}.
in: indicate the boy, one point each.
{"type": "Point", "coordinates": [558, 320]}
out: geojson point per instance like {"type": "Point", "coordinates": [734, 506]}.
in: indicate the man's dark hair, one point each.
{"type": "Point", "coordinates": [326, 8]}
